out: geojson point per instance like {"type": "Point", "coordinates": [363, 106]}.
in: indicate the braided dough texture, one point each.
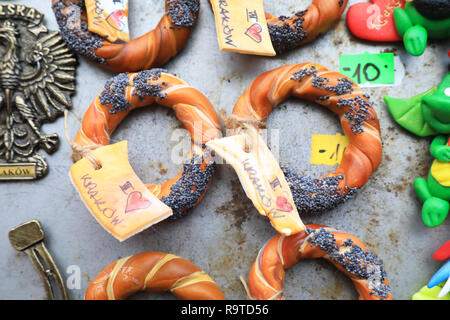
{"type": "Point", "coordinates": [153, 271]}
{"type": "Point", "coordinates": [343, 250]}
{"type": "Point", "coordinates": [126, 92]}
{"type": "Point", "coordinates": [153, 49]}
{"type": "Point", "coordinates": [291, 32]}
{"type": "Point", "coordinates": [343, 97]}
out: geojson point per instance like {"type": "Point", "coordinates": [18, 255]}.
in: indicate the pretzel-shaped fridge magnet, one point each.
{"type": "Point", "coordinates": [153, 271]}
{"type": "Point", "coordinates": [343, 97]}
{"type": "Point", "coordinates": [103, 172]}
{"type": "Point", "coordinates": [153, 49]}
{"type": "Point", "coordinates": [345, 251]}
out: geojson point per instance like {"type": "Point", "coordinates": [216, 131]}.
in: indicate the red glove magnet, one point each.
{"type": "Point", "coordinates": [443, 252]}
{"type": "Point", "coordinates": [374, 21]}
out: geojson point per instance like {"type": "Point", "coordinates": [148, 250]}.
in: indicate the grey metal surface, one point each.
{"type": "Point", "coordinates": [223, 235]}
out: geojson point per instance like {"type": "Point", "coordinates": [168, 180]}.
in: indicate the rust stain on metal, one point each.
{"type": "Point", "coordinates": [161, 169]}
{"type": "Point", "coordinates": [238, 208]}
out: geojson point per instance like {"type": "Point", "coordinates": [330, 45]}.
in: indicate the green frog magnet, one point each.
{"type": "Point", "coordinates": [420, 20]}
{"type": "Point", "coordinates": [428, 114]}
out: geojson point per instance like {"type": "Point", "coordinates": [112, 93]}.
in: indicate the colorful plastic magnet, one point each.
{"type": "Point", "coordinates": [442, 275]}
{"type": "Point", "coordinates": [415, 26]}
{"type": "Point", "coordinates": [426, 293]}
{"type": "Point", "coordinates": [428, 114]}
{"type": "Point", "coordinates": [374, 20]}
{"type": "Point", "coordinates": [443, 252]}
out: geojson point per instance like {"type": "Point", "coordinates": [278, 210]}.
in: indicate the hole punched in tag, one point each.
{"type": "Point", "coordinates": [29, 237]}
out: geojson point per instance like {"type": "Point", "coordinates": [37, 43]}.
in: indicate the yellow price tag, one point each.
{"type": "Point", "coordinates": [328, 149]}
{"type": "Point", "coordinates": [242, 27]}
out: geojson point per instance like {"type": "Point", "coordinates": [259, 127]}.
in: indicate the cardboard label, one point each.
{"type": "Point", "coordinates": [19, 171]}
{"type": "Point", "coordinates": [372, 68]}
{"type": "Point", "coordinates": [262, 179]}
{"type": "Point", "coordinates": [242, 27]}
{"type": "Point", "coordinates": [328, 149]}
{"type": "Point", "coordinates": [114, 195]}
{"type": "Point", "coordinates": [108, 18]}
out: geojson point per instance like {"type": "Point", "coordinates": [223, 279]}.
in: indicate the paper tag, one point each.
{"type": "Point", "coordinates": [262, 179]}
{"type": "Point", "coordinates": [372, 68]}
{"type": "Point", "coordinates": [328, 149]}
{"type": "Point", "coordinates": [108, 18]}
{"type": "Point", "coordinates": [242, 27]}
{"type": "Point", "coordinates": [114, 195]}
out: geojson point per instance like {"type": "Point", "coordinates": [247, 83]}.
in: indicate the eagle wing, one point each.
{"type": "Point", "coordinates": [52, 82]}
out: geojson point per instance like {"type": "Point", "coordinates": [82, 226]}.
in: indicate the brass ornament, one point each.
{"type": "Point", "coordinates": [37, 79]}
{"type": "Point", "coordinates": [29, 237]}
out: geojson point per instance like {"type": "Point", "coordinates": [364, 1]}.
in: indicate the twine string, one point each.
{"type": "Point", "coordinates": [243, 125]}
{"type": "Point", "coordinates": [236, 122]}
{"type": "Point", "coordinates": [79, 151]}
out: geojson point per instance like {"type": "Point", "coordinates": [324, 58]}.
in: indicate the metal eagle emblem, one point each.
{"type": "Point", "coordinates": [37, 78]}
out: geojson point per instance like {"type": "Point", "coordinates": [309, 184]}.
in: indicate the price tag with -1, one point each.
{"type": "Point", "coordinates": [368, 68]}
{"type": "Point", "coordinates": [328, 149]}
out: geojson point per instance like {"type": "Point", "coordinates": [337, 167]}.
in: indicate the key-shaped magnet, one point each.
{"type": "Point", "coordinates": [28, 237]}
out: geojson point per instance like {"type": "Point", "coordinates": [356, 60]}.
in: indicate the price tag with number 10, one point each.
{"type": "Point", "coordinates": [371, 68]}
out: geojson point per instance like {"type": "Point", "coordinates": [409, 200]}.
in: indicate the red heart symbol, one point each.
{"type": "Point", "coordinates": [254, 32]}
{"type": "Point", "coordinates": [136, 201]}
{"type": "Point", "coordinates": [374, 21]}
{"type": "Point", "coordinates": [283, 204]}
